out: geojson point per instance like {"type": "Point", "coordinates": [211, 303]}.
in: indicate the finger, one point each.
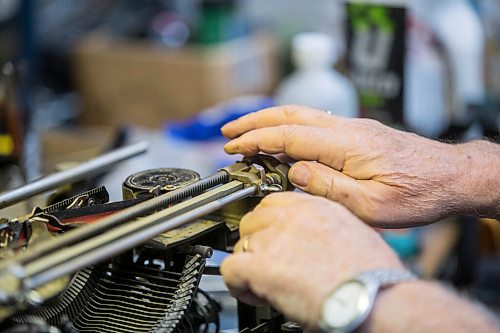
{"type": "Point", "coordinates": [252, 223]}
{"type": "Point", "coordinates": [270, 210]}
{"type": "Point", "coordinates": [282, 199]}
{"type": "Point", "coordinates": [250, 298]}
{"type": "Point", "coordinates": [275, 116]}
{"type": "Point", "coordinates": [238, 247]}
{"type": "Point", "coordinates": [235, 269]}
{"type": "Point", "coordinates": [362, 197]}
{"type": "Point", "coordinates": [297, 142]}
{"type": "Point", "coordinates": [258, 220]}
{"type": "Point", "coordinates": [321, 180]}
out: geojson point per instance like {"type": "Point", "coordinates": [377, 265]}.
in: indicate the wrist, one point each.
{"type": "Point", "coordinates": [477, 166]}
{"type": "Point", "coordinates": [387, 303]}
{"type": "Point", "coordinates": [425, 306]}
{"type": "Point", "coordinates": [345, 308]}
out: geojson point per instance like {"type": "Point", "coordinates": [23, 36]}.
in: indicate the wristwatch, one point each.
{"type": "Point", "coordinates": [348, 305]}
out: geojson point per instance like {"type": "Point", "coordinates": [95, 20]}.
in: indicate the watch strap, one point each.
{"type": "Point", "coordinates": [386, 277]}
{"type": "Point", "coordinates": [373, 280]}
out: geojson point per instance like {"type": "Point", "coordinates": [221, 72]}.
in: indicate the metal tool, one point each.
{"type": "Point", "coordinates": [22, 276]}
{"type": "Point", "coordinates": [157, 181]}
{"type": "Point", "coordinates": [86, 169]}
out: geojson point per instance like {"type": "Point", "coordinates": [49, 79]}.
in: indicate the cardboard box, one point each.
{"type": "Point", "coordinates": [127, 82]}
{"type": "Point", "coordinates": [80, 145]}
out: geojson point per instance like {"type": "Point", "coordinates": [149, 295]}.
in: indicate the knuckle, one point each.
{"type": "Point", "coordinates": [290, 131]}
{"type": "Point", "coordinates": [313, 199]}
{"type": "Point", "coordinates": [307, 201]}
{"type": "Point", "coordinates": [273, 196]}
{"type": "Point", "coordinates": [273, 199]}
{"type": "Point", "coordinates": [246, 145]}
{"type": "Point", "coordinates": [366, 121]}
{"type": "Point", "coordinates": [290, 112]}
{"type": "Point", "coordinates": [244, 226]}
{"type": "Point", "coordinates": [265, 237]}
{"type": "Point", "coordinates": [330, 187]}
{"type": "Point", "coordinates": [249, 117]}
{"type": "Point", "coordinates": [224, 267]}
{"type": "Point", "coordinates": [327, 205]}
{"type": "Point", "coordinates": [292, 138]}
{"type": "Point", "coordinates": [252, 119]}
{"type": "Point", "coordinates": [267, 200]}
{"type": "Point", "coordinates": [256, 209]}
{"type": "Point", "coordinates": [248, 217]}
{"type": "Point", "coordinates": [282, 199]}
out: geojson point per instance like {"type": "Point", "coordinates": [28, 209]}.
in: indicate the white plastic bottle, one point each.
{"type": "Point", "coordinates": [315, 83]}
{"type": "Point", "coordinates": [425, 93]}
{"type": "Point", "coordinates": [458, 28]}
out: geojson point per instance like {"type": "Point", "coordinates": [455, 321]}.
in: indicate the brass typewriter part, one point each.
{"type": "Point", "coordinates": [136, 269]}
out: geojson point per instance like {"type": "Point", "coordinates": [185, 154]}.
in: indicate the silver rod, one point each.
{"type": "Point", "coordinates": [159, 224]}
{"type": "Point", "coordinates": [79, 172]}
{"type": "Point", "coordinates": [128, 214]}
{"type": "Point", "coordinates": [126, 230]}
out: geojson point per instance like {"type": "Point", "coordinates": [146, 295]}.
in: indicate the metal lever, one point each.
{"type": "Point", "coordinates": [79, 172]}
{"type": "Point", "coordinates": [117, 233]}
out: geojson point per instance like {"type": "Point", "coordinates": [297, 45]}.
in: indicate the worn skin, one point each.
{"type": "Point", "coordinates": [300, 247]}
{"type": "Point", "coordinates": [388, 178]}
{"type": "Point", "coordinates": [294, 239]}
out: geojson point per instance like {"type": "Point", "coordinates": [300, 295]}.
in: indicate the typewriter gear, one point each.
{"type": "Point", "coordinates": [136, 269]}
{"type": "Point", "coordinates": [157, 181]}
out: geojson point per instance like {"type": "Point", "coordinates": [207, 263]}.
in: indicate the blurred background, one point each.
{"type": "Point", "coordinates": [82, 77]}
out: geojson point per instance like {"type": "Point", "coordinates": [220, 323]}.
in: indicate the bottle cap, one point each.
{"type": "Point", "coordinates": [313, 49]}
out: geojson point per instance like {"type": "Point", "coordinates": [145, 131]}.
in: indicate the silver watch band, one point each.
{"type": "Point", "coordinates": [386, 277]}
{"type": "Point", "coordinates": [373, 280]}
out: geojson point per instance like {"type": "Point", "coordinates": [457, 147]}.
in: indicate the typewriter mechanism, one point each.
{"type": "Point", "coordinates": [84, 264]}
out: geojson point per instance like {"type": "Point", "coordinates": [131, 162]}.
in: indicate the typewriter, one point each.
{"type": "Point", "coordinates": [84, 264]}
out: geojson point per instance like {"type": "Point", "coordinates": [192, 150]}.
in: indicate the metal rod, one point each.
{"type": "Point", "coordinates": [159, 203]}
{"type": "Point", "coordinates": [123, 231]}
{"type": "Point", "coordinates": [79, 172]}
{"type": "Point", "coordinates": [158, 223]}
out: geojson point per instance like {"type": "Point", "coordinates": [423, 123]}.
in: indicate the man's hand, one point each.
{"type": "Point", "coordinates": [386, 177]}
{"type": "Point", "coordinates": [298, 248]}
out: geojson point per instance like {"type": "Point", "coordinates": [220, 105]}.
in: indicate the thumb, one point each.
{"type": "Point", "coordinates": [319, 179]}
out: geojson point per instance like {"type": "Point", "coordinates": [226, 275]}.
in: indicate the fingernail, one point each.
{"type": "Point", "coordinates": [300, 175]}
{"type": "Point", "coordinates": [230, 147]}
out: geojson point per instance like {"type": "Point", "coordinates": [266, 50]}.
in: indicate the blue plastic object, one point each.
{"type": "Point", "coordinates": [207, 124]}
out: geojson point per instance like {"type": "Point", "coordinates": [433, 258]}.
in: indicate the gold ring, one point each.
{"type": "Point", "coordinates": [244, 246]}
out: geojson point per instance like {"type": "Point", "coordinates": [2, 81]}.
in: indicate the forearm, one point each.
{"type": "Point", "coordinates": [426, 307]}
{"type": "Point", "coordinates": [478, 181]}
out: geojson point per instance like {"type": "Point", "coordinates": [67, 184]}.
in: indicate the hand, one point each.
{"type": "Point", "coordinates": [300, 247]}
{"type": "Point", "coordinates": [386, 177]}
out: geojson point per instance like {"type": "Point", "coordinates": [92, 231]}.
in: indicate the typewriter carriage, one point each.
{"type": "Point", "coordinates": [157, 281]}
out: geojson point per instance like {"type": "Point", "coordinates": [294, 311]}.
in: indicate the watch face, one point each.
{"type": "Point", "coordinates": [346, 304]}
